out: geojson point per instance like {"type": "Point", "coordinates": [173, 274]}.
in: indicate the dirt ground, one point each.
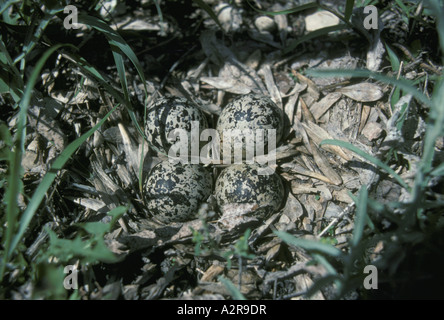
{"type": "Point", "coordinates": [184, 53]}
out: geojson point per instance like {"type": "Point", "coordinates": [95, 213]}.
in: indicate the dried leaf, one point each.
{"type": "Point", "coordinates": [185, 231]}
{"type": "Point", "coordinates": [313, 90]}
{"type": "Point", "coordinates": [319, 20]}
{"type": "Point", "coordinates": [272, 253]}
{"type": "Point", "coordinates": [131, 151]}
{"type": "Point", "coordinates": [317, 134]}
{"type": "Point", "coordinates": [372, 131]}
{"type": "Point", "coordinates": [93, 204]}
{"type": "Point", "coordinates": [324, 165]}
{"type": "Point", "coordinates": [306, 112]}
{"type": "Point", "coordinates": [221, 55]}
{"type": "Point", "coordinates": [342, 196]}
{"type": "Point", "coordinates": [237, 214]}
{"type": "Point", "coordinates": [227, 84]}
{"type": "Point", "coordinates": [298, 188]}
{"type": "Point", "coordinates": [298, 169]}
{"type": "Point", "coordinates": [136, 25]}
{"type": "Point", "coordinates": [365, 112]}
{"type": "Point", "coordinates": [293, 208]}
{"type": "Point", "coordinates": [270, 84]}
{"type": "Point", "coordinates": [319, 108]}
{"type": "Point", "coordinates": [290, 106]}
{"type": "Point", "coordinates": [254, 59]}
{"type": "Point", "coordinates": [362, 92]}
{"type": "Point", "coordinates": [141, 240]}
{"type": "Point", "coordinates": [212, 273]}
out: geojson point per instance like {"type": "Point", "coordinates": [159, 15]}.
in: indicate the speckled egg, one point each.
{"type": "Point", "coordinates": [170, 113]}
{"type": "Point", "coordinates": [252, 112]}
{"type": "Point", "coordinates": [242, 184]}
{"type": "Point", "coordinates": [174, 192]}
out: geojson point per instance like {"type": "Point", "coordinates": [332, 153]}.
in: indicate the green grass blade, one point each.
{"type": "Point", "coordinates": [92, 72]}
{"type": "Point", "coordinates": [47, 180]}
{"type": "Point", "coordinates": [435, 129]}
{"type": "Point", "coordinates": [95, 75]}
{"type": "Point", "coordinates": [119, 47]}
{"type": "Point", "coordinates": [5, 5]}
{"type": "Point", "coordinates": [5, 135]}
{"type": "Point", "coordinates": [394, 99]}
{"type": "Point", "coordinates": [323, 261]}
{"type": "Point", "coordinates": [159, 11]}
{"type": "Point", "coordinates": [403, 8]}
{"type": "Point", "coordinates": [367, 157]}
{"type": "Point", "coordinates": [115, 41]}
{"type": "Point", "coordinates": [208, 10]}
{"type": "Point", "coordinates": [312, 35]}
{"type": "Point", "coordinates": [124, 101]}
{"type": "Point", "coordinates": [405, 85]}
{"type": "Point", "coordinates": [6, 58]}
{"type": "Point", "coordinates": [10, 84]}
{"type": "Point", "coordinates": [360, 218]}
{"type": "Point", "coordinates": [438, 10]}
{"type": "Point", "coordinates": [310, 245]}
{"type": "Point", "coordinates": [438, 171]}
{"type": "Point", "coordinates": [34, 35]}
{"type": "Point", "coordinates": [116, 213]}
{"type": "Point", "coordinates": [349, 9]}
{"type": "Point", "coordinates": [98, 228]}
{"type": "Point", "coordinates": [234, 291]}
{"type": "Point", "coordinates": [15, 168]}
{"type": "Point", "coordinates": [120, 65]}
{"type": "Point", "coordinates": [10, 78]}
{"type": "Point", "coordinates": [394, 60]}
{"type": "Point", "coordinates": [323, 282]}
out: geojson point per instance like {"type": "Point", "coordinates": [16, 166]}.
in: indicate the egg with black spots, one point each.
{"type": "Point", "coordinates": [170, 113]}
{"type": "Point", "coordinates": [174, 192]}
{"type": "Point", "coordinates": [243, 184]}
{"type": "Point", "coordinates": [245, 115]}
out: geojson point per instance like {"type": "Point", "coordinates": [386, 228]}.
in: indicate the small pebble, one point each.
{"type": "Point", "coordinates": [265, 24]}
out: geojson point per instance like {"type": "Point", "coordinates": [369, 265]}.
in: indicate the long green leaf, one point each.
{"type": "Point", "coordinates": [34, 35]}
{"type": "Point", "coordinates": [323, 261]}
{"type": "Point", "coordinates": [7, 4]}
{"type": "Point", "coordinates": [234, 291]}
{"type": "Point", "coordinates": [15, 168]}
{"type": "Point", "coordinates": [367, 157]}
{"type": "Point", "coordinates": [6, 58]}
{"type": "Point", "coordinates": [119, 47]}
{"type": "Point", "coordinates": [349, 5]}
{"type": "Point", "coordinates": [94, 74]}
{"type": "Point", "coordinates": [438, 171]}
{"type": "Point", "coordinates": [47, 180]}
{"type": "Point", "coordinates": [11, 78]}
{"type": "Point", "coordinates": [115, 41]}
{"type": "Point", "coordinates": [394, 60]}
{"type": "Point", "coordinates": [10, 84]}
{"type": "Point", "coordinates": [360, 218]}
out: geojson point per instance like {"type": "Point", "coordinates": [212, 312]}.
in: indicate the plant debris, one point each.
{"type": "Point", "coordinates": [184, 54]}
